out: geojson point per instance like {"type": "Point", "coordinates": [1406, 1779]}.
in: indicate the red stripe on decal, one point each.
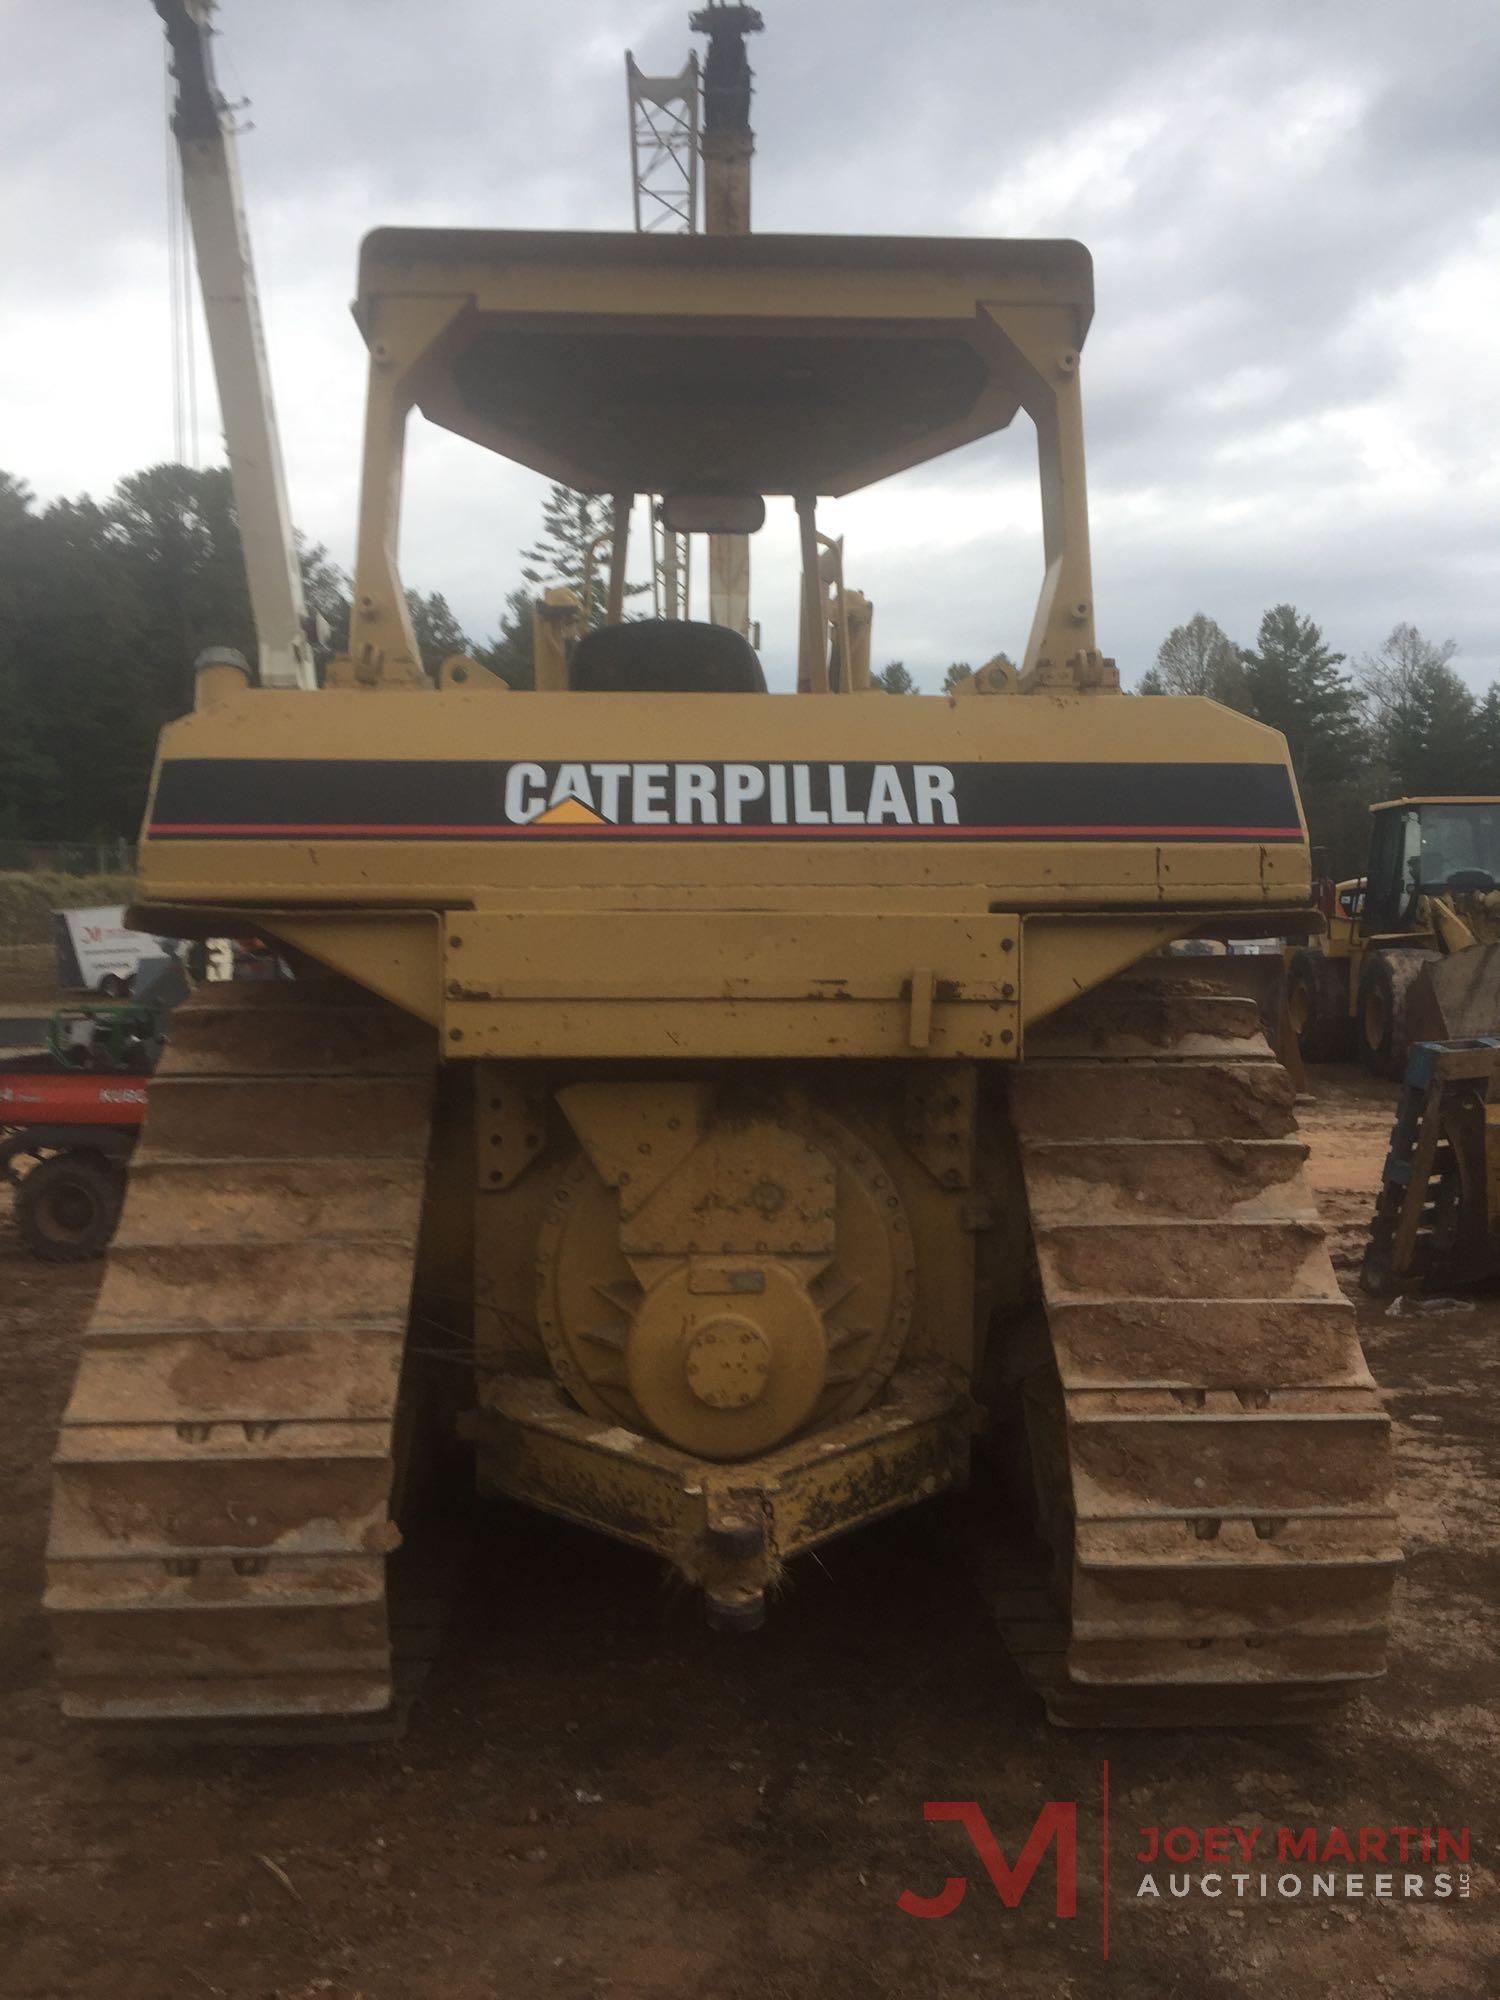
{"type": "Point", "coordinates": [855, 830]}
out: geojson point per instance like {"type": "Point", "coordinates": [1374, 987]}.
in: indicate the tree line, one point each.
{"type": "Point", "coordinates": [1401, 723]}
{"type": "Point", "coordinates": [105, 605]}
{"type": "Point", "coordinates": [1393, 723]}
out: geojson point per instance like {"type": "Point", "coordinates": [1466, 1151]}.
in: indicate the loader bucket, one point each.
{"type": "Point", "coordinates": [1456, 998]}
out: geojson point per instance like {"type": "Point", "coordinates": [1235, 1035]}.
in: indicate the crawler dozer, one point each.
{"type": "Point", "coordinates": [729, 1114]}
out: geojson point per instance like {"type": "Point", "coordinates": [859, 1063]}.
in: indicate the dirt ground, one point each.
{"type": "Point", "coordinates": [600, 1800]}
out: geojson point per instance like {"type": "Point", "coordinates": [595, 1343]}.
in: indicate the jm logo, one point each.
{"type": "Point", "coordinates": [1056, 1822]}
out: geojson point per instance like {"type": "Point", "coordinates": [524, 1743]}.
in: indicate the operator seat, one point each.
{"type": "Point", "coordinates": [665, 656]}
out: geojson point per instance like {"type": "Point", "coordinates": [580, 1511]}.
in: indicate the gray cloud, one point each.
{"type": "Point", "coordinates": [1292, 205]}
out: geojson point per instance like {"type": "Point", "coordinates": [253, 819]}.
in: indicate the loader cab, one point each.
{"type": "Point", "coordinates": [1420, 847]}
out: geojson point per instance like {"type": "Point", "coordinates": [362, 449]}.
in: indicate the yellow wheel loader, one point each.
{"type": "Point", "coordinates": [728, 1113]}
{"type": "Point", "coordinates": [1431, 861]}
{"type": "Point", "coordinates": [1437, 1215]}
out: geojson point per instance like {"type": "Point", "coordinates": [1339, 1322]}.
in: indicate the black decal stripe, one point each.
{"type": "Point", "coordinates": [338, 799]}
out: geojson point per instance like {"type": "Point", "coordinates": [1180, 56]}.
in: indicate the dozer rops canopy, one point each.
{"type": "Point", "coordinates": [732, 366]}
{"type": "Point", "coordinates": [764, 364]}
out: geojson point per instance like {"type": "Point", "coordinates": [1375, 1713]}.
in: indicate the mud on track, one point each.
{"type": "Point", "coordinates": [600, 1798]}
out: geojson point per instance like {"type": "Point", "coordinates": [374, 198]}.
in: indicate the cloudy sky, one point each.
{"type": "Point", "coordinates": [1292, 385]}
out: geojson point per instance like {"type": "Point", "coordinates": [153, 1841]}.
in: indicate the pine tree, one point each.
{"type": "Point", "coordinates": [176, 534]}
{"type": "Point", "coordinates": [572, 524]}
{"type": "Point", "coordinates": [956, 675]}
{"type": "Point", "coordinates": [1430, 743]}
{"type": "Point", "coordinates": [1293, 683]}
{"type": "Point", "coordinates": [87, 682]}
{"type": "Point", "coordinates": [30, 782]}
{"type": "Point", "coordinates": [103, 610]}
{"type": "Point", "coordinates": [437, 632]}
{"type": "Point", "coordinates": [16, 501]}
{"type": "Point", "coordinates": [1487, 741]}
{"type": "Point", "coordinates": [510, 653]}
{"type": "Point", "coordinates": [895, 679]}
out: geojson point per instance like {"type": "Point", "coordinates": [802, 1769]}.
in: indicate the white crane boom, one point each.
{"type": "Point", "coordinates": [204, 130]}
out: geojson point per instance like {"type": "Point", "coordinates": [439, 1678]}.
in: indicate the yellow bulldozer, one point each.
{"type": "Point", "coordinates": [1431, 887]}
{"type": "Point", "coordinates": [729, 1116]}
